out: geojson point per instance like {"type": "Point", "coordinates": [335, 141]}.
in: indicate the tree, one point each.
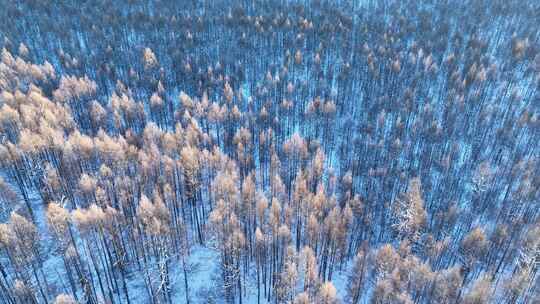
{"type": "Point", "coordinates": [23, 292]}
{"type": "Point", "coordinates": [447, 285]}
{"type": "Point", "coordinates": [386, 260]}
{"type": "Point", "coordinates": [356, 277]}
{"type": "Point", "coordinates": [64, 299]}
{"type": "Point", "coordinates": [286, 286]}
{"type": "Point", "coordinates": [480, 292]}
{"type": "Point", "coordinates": [309, 265]}
{"type": "Point", "coordinates": [301, 298]}
{"type": "Point", "coordinates": [327, 294]}
{"type": "Point", "coordinates": [58, 221]}
{"type": "Point", "coordinates": [21, 238]}
{"type": "Point", "coordinates": [408, 211]}
{"type": "Point", "coordinates": [8, 197]}
{"type": "Point", "coordinates": [473, 246]}
{"type": "Point", "coordinates": [155, 221]}
{"type": "Point", "coordinates": [149, 59]}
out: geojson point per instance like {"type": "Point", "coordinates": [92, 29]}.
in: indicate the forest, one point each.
{"type": "Point", "coordinates": [268, 152]}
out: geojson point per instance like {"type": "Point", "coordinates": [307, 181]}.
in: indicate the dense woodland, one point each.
{"type": "Point", "coordinates": [317, 151]}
